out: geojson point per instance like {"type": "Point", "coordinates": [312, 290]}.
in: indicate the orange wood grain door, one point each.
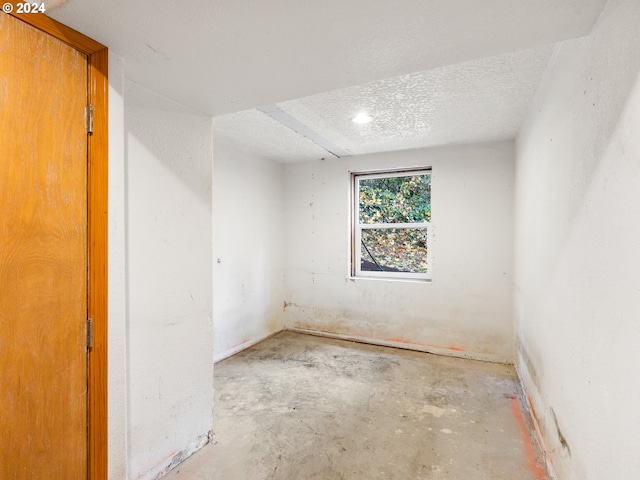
{"type": "Point", "coordinates": [43, 255]}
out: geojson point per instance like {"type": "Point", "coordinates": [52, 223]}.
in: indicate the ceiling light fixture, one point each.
{"type": "Point", "coordinates": [362, 118]}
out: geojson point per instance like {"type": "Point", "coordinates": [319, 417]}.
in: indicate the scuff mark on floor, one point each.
{"type": "Point", "coordinates": [535, 468]}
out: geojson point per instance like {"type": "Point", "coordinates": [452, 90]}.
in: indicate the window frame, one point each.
{"type": "Point", "coordinates": [356, 227]}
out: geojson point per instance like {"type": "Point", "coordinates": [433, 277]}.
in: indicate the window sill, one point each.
{"type": "Point", "coordinates": [389, 279]}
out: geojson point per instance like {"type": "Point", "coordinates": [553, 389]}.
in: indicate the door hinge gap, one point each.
{"type": "Point", "coordinates": [90, 119]}
{"type": "Point", "coordinates": [89, 333]}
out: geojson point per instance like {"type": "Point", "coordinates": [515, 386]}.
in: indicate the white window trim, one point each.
{"type": "Point", "coordinates": [357, 227]}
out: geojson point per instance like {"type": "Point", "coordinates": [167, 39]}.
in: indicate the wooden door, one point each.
{"type": "Point", "coordinates": [43, 255]}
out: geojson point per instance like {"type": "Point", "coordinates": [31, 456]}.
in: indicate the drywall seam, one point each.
{"type": "Point", "coordinates": [418, 347]}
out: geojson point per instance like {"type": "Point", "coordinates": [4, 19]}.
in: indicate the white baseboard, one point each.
{"type": "Point", "coordinates": [403, 345]}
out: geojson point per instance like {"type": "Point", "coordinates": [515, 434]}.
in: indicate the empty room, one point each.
{"type": "Point", "coordinates": [320, 240]}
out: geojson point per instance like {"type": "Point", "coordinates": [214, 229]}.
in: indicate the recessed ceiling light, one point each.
{"type": "Point", "coordinates": [362, 117]}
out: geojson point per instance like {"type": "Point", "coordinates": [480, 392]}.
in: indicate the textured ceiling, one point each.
{"type": "Point", "coordinates": [475, 101]}
{"type": "Point", "coordinates": [260, 135]}
{"type": "Point", "coordinates": [221, 56]}
{"type": "Point", "coordinates": [432, 72]}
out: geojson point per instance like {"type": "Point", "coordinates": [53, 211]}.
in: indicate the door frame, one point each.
{"type": "Point", "coordinates": [97, 232]}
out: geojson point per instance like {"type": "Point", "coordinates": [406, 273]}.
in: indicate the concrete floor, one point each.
{"type": "Point", "coordinates": [304, 407]}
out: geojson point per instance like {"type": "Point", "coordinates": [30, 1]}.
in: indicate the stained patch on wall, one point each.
{"type": "Point", "coordinates": [563, 441]}
{"type": "Point", "coordinates": [241, 343]}
{"type": "Point", "coordinates": [286, 305]}
{"type": "Point", "coordinates": [529, 365]}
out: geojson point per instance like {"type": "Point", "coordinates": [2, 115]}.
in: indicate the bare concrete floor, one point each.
{"type": "Point", "coordinates": [304, 407]}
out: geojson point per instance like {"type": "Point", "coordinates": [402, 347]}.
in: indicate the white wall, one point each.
{"type": "Point", "coordinates": [248, 247]}
{"type": "Point", "coordinates": [169, 282]}
{"type": "Point", "coordinates": [577, 275]}
{"type": "Point", "coordinates": [465, 310]}
{"type": "Point", "coordinates": [117, 308]}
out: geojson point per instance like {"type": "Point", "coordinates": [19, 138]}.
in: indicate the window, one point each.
{"type": "Point", "coordinates": [391, 231]}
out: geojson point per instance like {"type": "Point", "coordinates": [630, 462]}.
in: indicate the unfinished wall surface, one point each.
{"type": "Point", "coordinates": [465, 310]}
{"type": "Point", "coordinates": [577, 287]}
{"type": "Point", "coordinates": [169, 282]}
{"type": "Point", "coordinates": [248, 247]}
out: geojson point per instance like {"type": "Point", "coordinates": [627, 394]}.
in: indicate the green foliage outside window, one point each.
{"type": "Point", "coordinates": [395, 199]}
